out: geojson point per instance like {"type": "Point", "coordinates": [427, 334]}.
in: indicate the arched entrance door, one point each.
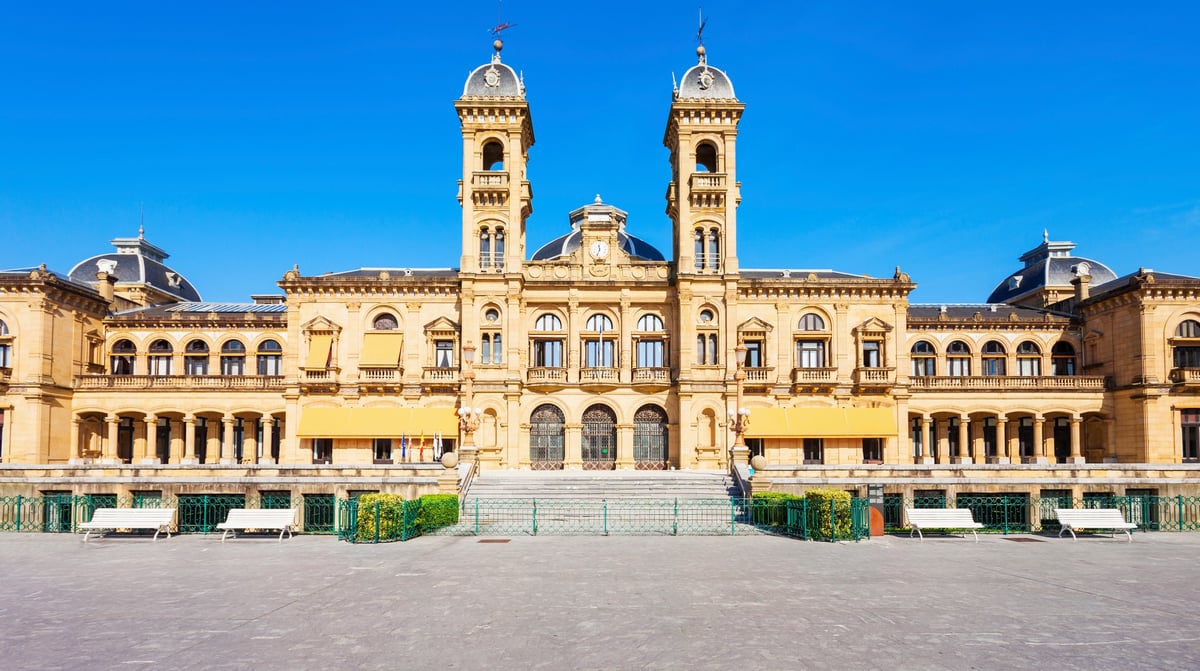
{"type": "Point", "coordinates": [547, 438]}
{"type": "Point", "coordinates": [650, 438]}
{"type": "Point", "coordinates": [599, 439]}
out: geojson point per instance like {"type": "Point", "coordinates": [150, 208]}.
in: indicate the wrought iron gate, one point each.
{"type": "Point", "coordinates": [599, 439]}
{"type": "Point", "coordinates": [650, 439]}
{"type": "Point", "coordinates": [547, 438]}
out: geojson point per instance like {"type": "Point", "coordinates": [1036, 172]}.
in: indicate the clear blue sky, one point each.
{"type": "Point", "coordinates": [940, 137]}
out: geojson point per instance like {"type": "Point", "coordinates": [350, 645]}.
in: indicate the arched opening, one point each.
{"type": "Point", "coordinates": [270, 358]}
{"type": "Point", "coordinates": [124, 353]}
{"type": "Point", "coordinates": [195, 359]}
{"type": "Point", "coordinates": [233, 358]}
{"type": "Point", "coordinates": [386, 322]}
{"type": "Point", "coordinates": [547, 438]}
{"type": "Point", "coordinates": [1185, 347]}
{"type": "Point", "coordinates": [706, 157]}
{"type": "Point", "coordinates": [599, 439]}
{"type": "Point", "coordinates": [160, 354]}
{"type": "Point", "coordinates": [650, 447]}
{"type": "Point", "coordinates": [924, 359]}
{"type": "Point", "coordinates": [1062, 358]}
{"type": "Point", "coordinates": [1029, 359]}
{"type": "Point", "coordinates": [493, 156]}
{"type": "Point", "coordinates": [958, 359]}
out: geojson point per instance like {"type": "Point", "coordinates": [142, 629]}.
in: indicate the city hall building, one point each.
{"type": "Point", "coordinates": [596, 350]}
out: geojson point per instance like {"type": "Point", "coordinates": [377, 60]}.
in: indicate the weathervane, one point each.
{"type": "Point", "coordinates": [700, 37]}
{"type": "Point", "coordinates": [501, 25]}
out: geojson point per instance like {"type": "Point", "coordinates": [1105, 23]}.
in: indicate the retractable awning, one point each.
{"type": "Point", "coordinates": [377, 422]}
{"type": "Point", "coordinates": [822, 423]}
{"type": "Point", "coordinates": [381, 349]}
{"type": "Point", "coordinates": [318, 351]}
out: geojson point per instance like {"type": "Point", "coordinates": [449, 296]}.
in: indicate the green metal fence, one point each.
{"type": "Point", "coordinates": [1023, 513]}
{"type": "Point", "coordinates": [663, 517]}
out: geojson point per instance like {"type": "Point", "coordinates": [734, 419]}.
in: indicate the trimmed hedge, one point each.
{"type": "Point", "coordinates": [821, 504]}
{"type": "Point", "coordinates": [437, 511]}
{"type": "Point", "coordinates": [771, 508]}
{"type": "Point", "coordinates": [383, 514]}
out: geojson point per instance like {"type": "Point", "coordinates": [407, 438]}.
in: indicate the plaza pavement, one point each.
{"type": "Point", "coordinates": [755, 602]}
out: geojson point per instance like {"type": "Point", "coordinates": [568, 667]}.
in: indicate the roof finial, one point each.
{"type": "Point", "coordinates": [598, 201]}
{"type": "Point", "coordinates": [141, 221]}
{"type": "Point", "coordinates": [1045, 235]}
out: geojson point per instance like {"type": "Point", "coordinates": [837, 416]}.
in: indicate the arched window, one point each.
{"type": "Point", "coordinates": [5, 346]}
{"type": "Point", "coordinates": [548, 322]}
{"type": "Point", "coordinates": [1062, 358]}
{"type": "Point", "coordinates": [958, 359]}
{"type": "Point", "coordinates": [599, 438]}
{"type": "Point", "coordinates": [714, 248]}
{"type": "Point", "coordinates": [159, 356]}
{"type": "Point", "coordinates": [385, 322]}
{"type": "Point", "coordinates": [599, 350]}
{"type": "Point", "coordinates": [599, 323]}
{"type": "Point", "coordinates": [706, 157]}
{"type": "Point", "coordinates": [699, 249]}
{"type": "Point", "coordinates": [124, 353]}
{"type": "Point", "coordinates": [924, 359]}
{"type": "Point", "coordinates": [1186, 345]}
{"type": "Point", "coordinates": [994, 359]}
{"type": "Point", "coordinates": [812, 322]}
{"type": "Point", "coordinates": [233, 358]}
{"type": "Point", "coordinates": [547, 437]}
{"type": "Point", "coordinates": [270, 358]}
{"type": "Point", "coordinates": [707, 318]}
{"type": "Point", "coordinates": [492, 350]}
{"type": "Point", "coordinates": [650, 438]}
{"type": "Point", "coordinates": [650, 323]}
{"type": "Point", "coordinates": [493, 156]}
{"type": "Point", "coordinates": [498, 250]}
{"type": "Point", "coordinates": [195, 358]}
{"type": "Point", "coordinates": [1029, 359]}
{"type": "Point", "coordinates": [485, 248]}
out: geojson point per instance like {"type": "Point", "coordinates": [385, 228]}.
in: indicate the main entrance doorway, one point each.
{"type": "Point", "coordinates": [599, 439]}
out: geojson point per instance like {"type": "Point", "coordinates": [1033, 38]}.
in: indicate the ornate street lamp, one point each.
{"type": "Point", "coordinates": [739, 419]}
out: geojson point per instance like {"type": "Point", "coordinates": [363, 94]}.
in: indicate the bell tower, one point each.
{"type": "Point", "coordinates": [494, 192]}
{"type": "Point", "coordinates": [704, 193]}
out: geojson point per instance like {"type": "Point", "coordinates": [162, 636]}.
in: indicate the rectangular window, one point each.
{"type": "Point", "coordinates": [952, 436]}
{"type": "Point", "coordinates": [1190, 421]}
{"type": "Point", "coordinates": [233, 365]}
{"type": "Point", "coordinates": [1187, 357]}
{"type": "Point", "coordinates": [989, 437]}
{"type": "Point", "coordinates": [443, 353]}
{"type": "Point", "coordinates": [1025, 437]}
{"type": "Point", "coordinates": [871, 355]}
{"type": "Point", "coordinates": [915, 432]}
{"type": "Point", "coordinates": [754, 354]}
{"type": "Point", "coordinates": [322, 450]}
{"type": "Point", "coordinates": [270, 364]}
{"type": "Point", "coordinates": [383, 450]}
{"type": "Point", "coordinates": [651, 354]}
{"type": "Point", "coordinates": [810, 354]}
{"type": "Point", "coordinates": [5, 355]}
{"type": "Point", "coordinates": [872, 450]}
{"type": "Point", "coordinates": [122, 365]}
{"type": "Point", "coordinates": [492, 351]}
{"type": "Point", "coordinates": [814, 451]}
{"type": "Point", "coordinates": [547, 353]}
{"type": "Point", "coordinates": [924, 366]}
{"type": "Point", "coordinates": [599, 353]}
{"type": "Point", "coordinates": [958, 366]}
{"type": "Point", "coordinates": [159, 365]}
{"type": "Point", "coordinates": [994, 366]}
{"type": "Point", "coordinates": [1029, 367]}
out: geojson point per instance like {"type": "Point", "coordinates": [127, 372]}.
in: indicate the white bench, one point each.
{"type": "Point", "coordinates": [103, 519]}
{"type": "Point", "coordinates": [259, 518]}
{"type": "Point", "coordinates": [1073, 519]}
{"type": "Point", "coordinates": [941, 518]}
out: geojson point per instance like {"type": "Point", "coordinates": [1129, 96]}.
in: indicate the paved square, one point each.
{"type": "Point", "coordinates": [600, 603]}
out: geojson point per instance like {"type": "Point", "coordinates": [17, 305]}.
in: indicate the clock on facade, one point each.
{"type": "Point", "coordinates": [599, 249]}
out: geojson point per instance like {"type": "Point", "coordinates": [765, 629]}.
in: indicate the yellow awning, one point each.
{"type": "Point", "coordinates": [318, 351]}
{"type": "Point", "coordinates": [822, 423]}
{"type": "Point", "coordinates": [381, 349]}
{"type": "Point", "coordinates": [377, 422]}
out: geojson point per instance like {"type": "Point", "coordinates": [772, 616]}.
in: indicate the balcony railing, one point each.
{"type": "Point", "coordinates": [759, 374]}
{"type": "Point", "coordinates": [652, 376]}
{"type": "Point", "coordinates": [490, 179]}
{"type": "Point", "coordinates": [249, 382]}
{"type": "Point", "coordinates": [989, 382]}
{"type": "Point", "coordinates": [813, 375]}
{"type": "Point", "coordinates": [708, 180]}
{"type": "Point", "coordinates": [599, 374]}
{"type": "Point", "coordinates": [381, 375]}
{"type": "Point", "coordinates": [318, 375]}
{"type": "Point", "coordinates": [872, 375]}
{"type": "Point", "coordinates": [441, 374]}
{"type": "Point", "coordinates": [544, 374]}
{"type": "Point", "coordinates": [1185, 375]}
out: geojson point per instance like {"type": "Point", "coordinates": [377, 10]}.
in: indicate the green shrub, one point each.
{"type": "Point", "coordinates": [770, 508]}
{"type": "Point", "coordinates": [825, 506]}
{"type": "Point", "coordinates": [385, 513]}
{"type": "Point", "coordinates": [437, 511]}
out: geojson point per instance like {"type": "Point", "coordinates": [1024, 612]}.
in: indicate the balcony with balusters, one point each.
{"type": "Point", "coordinates": [180, 382]}
{"type": "Point", "coordinates": [1007, 382]}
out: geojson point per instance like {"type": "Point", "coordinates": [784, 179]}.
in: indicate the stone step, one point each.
{"type": "Point", "coordinates": [661, 485]}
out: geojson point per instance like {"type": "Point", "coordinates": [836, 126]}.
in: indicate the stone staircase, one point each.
{"type": "Point", "coordinates": [595, 485]}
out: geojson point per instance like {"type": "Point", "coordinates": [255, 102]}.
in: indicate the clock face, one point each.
{"type": "Point", "coordinates": [599, 249]}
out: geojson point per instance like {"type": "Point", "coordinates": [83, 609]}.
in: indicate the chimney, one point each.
{"type": "Point", "coordinates": [1082, 287]}
{"type": "Point", "coordinates": [106, 284]}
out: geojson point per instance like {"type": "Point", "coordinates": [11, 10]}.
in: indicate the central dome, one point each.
{"type": "Point", "coordinates": [566, 245]}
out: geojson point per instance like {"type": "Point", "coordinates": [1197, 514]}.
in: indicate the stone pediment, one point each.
{"type": "Point", "coordinates": [442, 325]}
{"type": "Point", "coordinates": [755, 325]}
{"type": "Point", "coordinates": [873, 325]}
{"type": "Point", "coordinates": [320, 324]}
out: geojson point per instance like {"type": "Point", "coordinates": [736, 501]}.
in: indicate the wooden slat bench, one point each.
{"type": "Point", "coordinates": [941, 518]}
{"type": "Point", "coordinates": [1073, 519]}
{"type": "Point", "coordinates": [103, 519]}
{"type": "Point", "coordinates": [259, 518]}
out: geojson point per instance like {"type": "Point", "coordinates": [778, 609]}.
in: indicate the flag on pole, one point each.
{"type": "Point", "coordinates": [422, 444]}
{"type": "Point", "coordinates": [403, 446]}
